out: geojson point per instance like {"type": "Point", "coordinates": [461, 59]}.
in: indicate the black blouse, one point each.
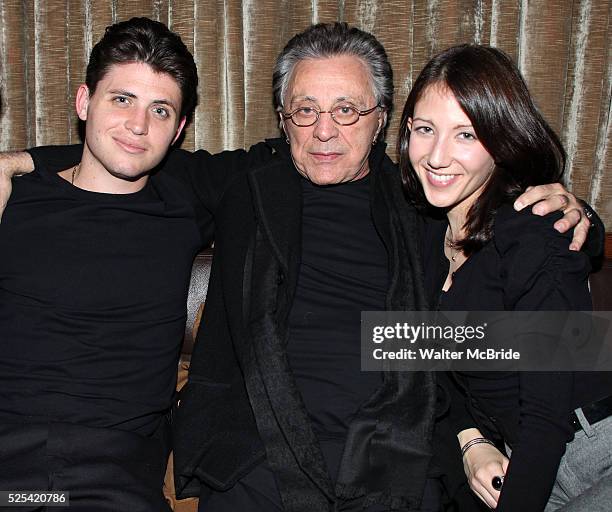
{"type": "Point", "coordinates": [526, 266]}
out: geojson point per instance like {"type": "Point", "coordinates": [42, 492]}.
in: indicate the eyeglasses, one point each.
{"type": "Point", "coordinates": [344, 115]}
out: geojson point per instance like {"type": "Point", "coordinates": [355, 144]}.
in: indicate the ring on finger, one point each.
{"type": "Point", "coordinates": [497, 482]}
{"type": "Point", "coordinates": [588, 213]}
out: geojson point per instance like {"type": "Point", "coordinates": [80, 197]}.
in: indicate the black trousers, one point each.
{"type": "Point", "coordinates": [257, 492]}
{"type": "Point", "coordinates": [104, 470]}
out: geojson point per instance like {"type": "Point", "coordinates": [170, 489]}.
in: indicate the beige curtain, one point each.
{"type": "Point", "coordinates": [562, 47]}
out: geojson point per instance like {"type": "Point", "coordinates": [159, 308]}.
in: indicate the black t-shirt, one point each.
{"type": "Point", "coordinates": [92, 301]}
{"type": "Point", "coordinates": [343, 271]}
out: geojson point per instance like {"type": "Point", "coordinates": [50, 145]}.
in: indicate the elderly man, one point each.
{"type": "Point", "coordinates": [309, 231]}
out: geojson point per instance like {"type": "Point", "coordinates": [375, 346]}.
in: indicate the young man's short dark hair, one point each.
{"type": "Point", "coordinates": [150, 42]}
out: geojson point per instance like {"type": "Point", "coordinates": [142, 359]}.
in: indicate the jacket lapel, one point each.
{"type": "Point", "coordinates": [277, 199]}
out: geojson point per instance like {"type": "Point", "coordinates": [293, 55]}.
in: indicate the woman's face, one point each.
{"type": "Point", "coordinates": [451, 163]}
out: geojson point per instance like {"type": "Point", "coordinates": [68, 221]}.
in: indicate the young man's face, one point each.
{"type": "Point", "coordinates": [132, 118]}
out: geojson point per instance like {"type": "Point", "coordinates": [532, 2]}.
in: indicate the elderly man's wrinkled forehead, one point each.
{"type": "Point", "coordinates": [340, 77]}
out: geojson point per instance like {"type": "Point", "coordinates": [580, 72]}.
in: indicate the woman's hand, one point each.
{"type": "Point", "coordinates": [482, 462]}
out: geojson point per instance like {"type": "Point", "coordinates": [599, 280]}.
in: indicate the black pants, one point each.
{"type": "Point", "coordinates": [104, 470]}
{"type": "Point", "coordinates": [257, 492]}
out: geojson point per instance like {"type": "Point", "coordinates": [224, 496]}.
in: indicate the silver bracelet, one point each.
{"type": "Point", "coordinates": [476, 440]}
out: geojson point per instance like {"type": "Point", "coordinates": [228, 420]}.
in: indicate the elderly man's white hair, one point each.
{"type": "Point", "coordinates": [326, 40]}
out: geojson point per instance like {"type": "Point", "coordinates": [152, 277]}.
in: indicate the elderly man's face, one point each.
{"type": "Point", "coordinates": [327, 153]}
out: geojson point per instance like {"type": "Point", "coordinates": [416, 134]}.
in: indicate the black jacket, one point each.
{"type": "Point", "coordinates": [241, 401]}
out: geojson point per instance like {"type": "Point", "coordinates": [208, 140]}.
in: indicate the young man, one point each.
{"type": "Point", "coordinates": [94, 268]}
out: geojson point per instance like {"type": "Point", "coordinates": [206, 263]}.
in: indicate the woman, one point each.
{"type": "Point", "coordinates": [471, 140]}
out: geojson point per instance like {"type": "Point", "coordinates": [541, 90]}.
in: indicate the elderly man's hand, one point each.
{"type": "Point", "coordinates": [12, 164]}
{"type": "Point", "coordinates": [554, 197]}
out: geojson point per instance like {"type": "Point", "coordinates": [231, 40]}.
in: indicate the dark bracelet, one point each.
{"type": "Point", "coordinates": [476, 440]}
